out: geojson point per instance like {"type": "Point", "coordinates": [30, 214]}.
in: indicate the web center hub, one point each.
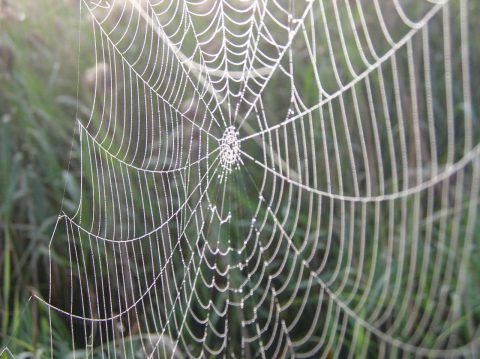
{"type": "Point", "coordinates": [230, 149]}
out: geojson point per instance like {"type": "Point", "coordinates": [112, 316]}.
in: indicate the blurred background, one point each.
{"type": "Point", "coordinates": [39, 78]}
{"type": "Point", "coordinates": [47, 81]}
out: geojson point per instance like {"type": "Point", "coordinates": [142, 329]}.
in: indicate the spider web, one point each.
{"type": "Point", "coordinates": [276, 179]}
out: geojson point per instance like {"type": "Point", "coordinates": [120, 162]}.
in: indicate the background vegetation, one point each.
{"type": "Point", "coordinates": [38, 90]}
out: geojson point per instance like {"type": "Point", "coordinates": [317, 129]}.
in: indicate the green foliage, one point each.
{"type": "Point", "coordinates": [36, 125]}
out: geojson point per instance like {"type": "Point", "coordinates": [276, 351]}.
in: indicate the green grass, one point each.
{"type": "Point", "coordinates": [37, 112]}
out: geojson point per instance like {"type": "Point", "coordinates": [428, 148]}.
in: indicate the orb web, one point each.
{"type": "Point", "coordinates": [276, 179]}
